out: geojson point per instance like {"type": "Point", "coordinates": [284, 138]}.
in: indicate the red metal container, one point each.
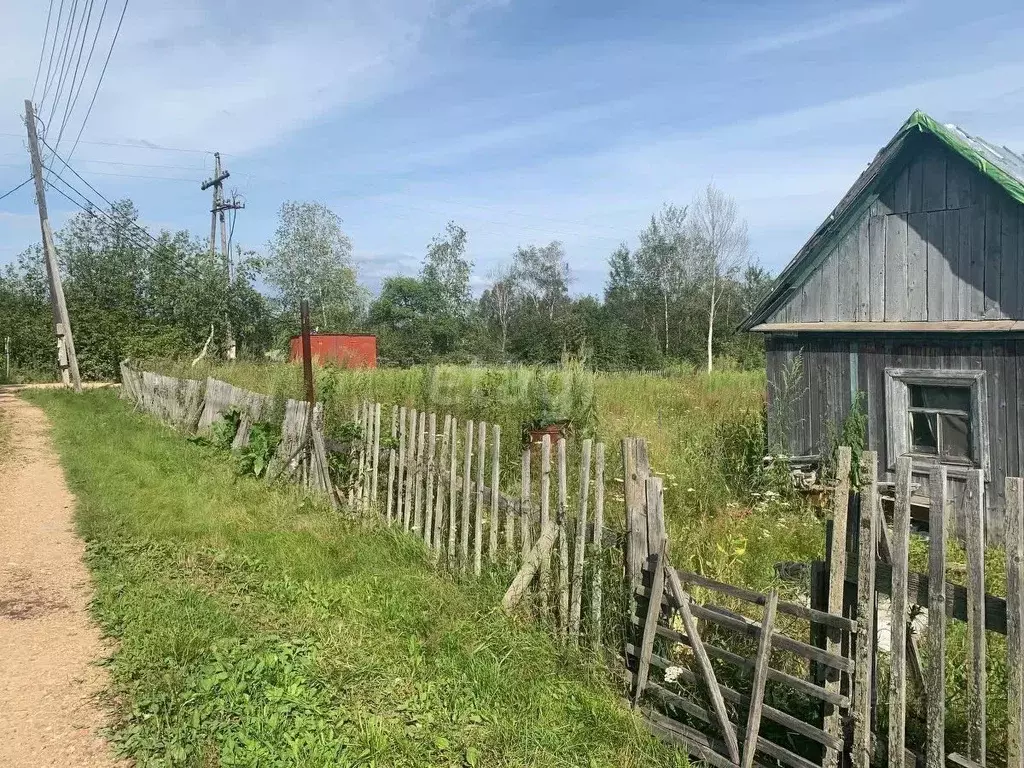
{"type": "Point", "coordinates": [344, 349]}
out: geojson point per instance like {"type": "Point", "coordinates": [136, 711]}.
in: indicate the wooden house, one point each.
{"type": "Point", "coordinates": [910, 298]}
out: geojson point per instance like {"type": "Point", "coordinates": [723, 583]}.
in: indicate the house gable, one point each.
{"type": "Point", "coordinates": [924, 236]}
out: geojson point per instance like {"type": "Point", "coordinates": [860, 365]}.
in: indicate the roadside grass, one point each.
{"type": "Point", "coordinates": [255, 627]}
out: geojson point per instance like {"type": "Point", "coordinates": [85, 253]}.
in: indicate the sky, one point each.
{"type": "Point", "coordinates": [524, 121]}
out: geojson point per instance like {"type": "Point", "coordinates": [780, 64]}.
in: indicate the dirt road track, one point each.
{"type": "Point", "coordinates": [49, 714]}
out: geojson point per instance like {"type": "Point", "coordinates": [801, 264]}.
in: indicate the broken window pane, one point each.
{"type": "Point", "coordinates": [940, 398]}
{"type": "Point", "coordinates": [923, 435]}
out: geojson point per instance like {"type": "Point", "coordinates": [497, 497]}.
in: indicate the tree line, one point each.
{"type": "Point", "coordinates": [675, 298]}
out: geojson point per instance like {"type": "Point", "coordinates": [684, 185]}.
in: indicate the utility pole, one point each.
{"type": "Point", "coordinates": [7, 356]}
{"type": "Point", "coordinates": [66, 356]}
{"type": "Point", "coordinates": [217, 211]}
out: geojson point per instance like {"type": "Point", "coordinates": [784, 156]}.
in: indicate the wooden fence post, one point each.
{"type": "Point", "coordinates": [898, 622]}
{"type": "Point", "coordinates": [635, 471]}
{"type": "Point", "coordinates": [935, 682]}
{"type": "Point", "coordinates": [478, 522]}
{"type": "Point", "coordinates": [861, 704]}
{"type": "Point", "coordinates": [563, 541]}
{"type": "Point", "coordinates": [374, 472]}
{"type": "Point", "coordinates": [576, 603]}
{"type": "Point", "coordinates": [495, 515]}
{"type": "Point", "coordinates": [545, 516]}
{"type": "Point", "coordinates": [974, 520]}
{"type": "Point", "coordinates": [453, 510]}
{"type": "Point", "coordinates": [399, 484]}
{"type": "Point", "coordinates": [525, 507]}
{"type": "Point", "coordinates": [1014, 535]}
{"type": "Point", "coordinates": [428, 517]}
{"type": "Point", "coordinates": [836, 582]}
{"type": "Point", "coordinates": [410, 472]}
{"type": "Point", "coordinates": [421, 446]}
{"type": "Point", "coordinates": [446, 448]}
{"type": "Point", "coordinates": [365, 458]}
{"type": "Point", "coordinates": [467, 468]}
{"type": "Point", "coordinates": [596, 586]}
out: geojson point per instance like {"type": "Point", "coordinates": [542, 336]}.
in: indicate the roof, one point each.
{"type": "Point", "coordinates": [1004, 167]}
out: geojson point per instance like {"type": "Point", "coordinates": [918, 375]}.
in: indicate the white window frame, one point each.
{"type": "Point", "coordinates": [897, 405]}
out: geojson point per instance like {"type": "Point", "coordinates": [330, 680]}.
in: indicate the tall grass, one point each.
{"type": "Point", "coordinates": [705, 436]}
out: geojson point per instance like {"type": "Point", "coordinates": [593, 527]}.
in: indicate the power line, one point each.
{"type": "Point", "coordinates": [15, 189]}
{"type": "Point", "coordinates": [99, 82]}
{"type": "Point", "coordinates": [61, 70]}
{"type": "Point", "coordinates": [88, 61]}
{"type": "Point", "coordinates": [147, 145]}
{"type": "Point", "coordinates": [69, 103]}
{"type": "Point", "coordinates": [42, 50]}
{"type": "Point", "coordinates": [53, 51]}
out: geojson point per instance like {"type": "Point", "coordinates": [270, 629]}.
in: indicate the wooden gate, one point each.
{"type": "Point", "coordinates": [742, 678]}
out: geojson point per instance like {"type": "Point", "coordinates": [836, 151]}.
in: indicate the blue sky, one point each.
{"type": "Point", "coordinates": [524, 121]}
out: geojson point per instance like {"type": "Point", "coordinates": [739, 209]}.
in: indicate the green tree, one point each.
{"type": "Point", "coordinates": [310, 257]}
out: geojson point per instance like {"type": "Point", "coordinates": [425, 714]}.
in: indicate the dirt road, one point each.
{"type": "Point", "coordinates": [49, 714]}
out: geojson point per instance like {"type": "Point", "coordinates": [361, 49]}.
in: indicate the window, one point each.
{"type": "Point", "coordinates": [940, 421]}
{"type": "Point", "coordinates": [937, 415]}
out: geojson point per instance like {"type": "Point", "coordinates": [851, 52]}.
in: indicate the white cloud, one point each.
{"type": "Point", "coordinates": [819, 29]}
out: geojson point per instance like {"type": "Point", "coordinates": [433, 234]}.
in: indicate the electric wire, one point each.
{"type": "Point", "coordinates": [61, 70]}
{"type": "Point", "coordinates": [53, 51]}
{"type": "Point", "coordinates": [99, 82]}
{"type": "Point", "coordinates": [15, 189]}
{"type": "Point", "coordinates": [69, 105]}
{"type": "Point", "coordinates": [42, 50]}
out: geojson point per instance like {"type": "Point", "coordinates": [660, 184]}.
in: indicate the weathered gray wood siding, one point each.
{"type": "Point", "coordinates": [805, 411]}
{"type": "Point", "coordinates": [941, 241]}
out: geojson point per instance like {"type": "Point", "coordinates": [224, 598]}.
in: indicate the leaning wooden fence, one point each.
{"type": "Point", "coordinates": [810, 686]}
{"type": "Point", "coordinates": [439, 478]}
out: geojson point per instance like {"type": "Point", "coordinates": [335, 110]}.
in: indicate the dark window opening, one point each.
{"type": "Point", "coordinates": [940, 422]}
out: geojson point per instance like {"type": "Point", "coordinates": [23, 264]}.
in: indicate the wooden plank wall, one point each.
{"type": "Point", "coordinates": [940, 242]}
{"type": "Point", "coordinates": [824, 394]}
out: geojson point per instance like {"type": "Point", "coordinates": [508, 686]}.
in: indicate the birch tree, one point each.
{"type": "Point", "coordinates": [721, 249]}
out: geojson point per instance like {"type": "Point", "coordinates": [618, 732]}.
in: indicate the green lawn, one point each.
{"type": "Point", "coordinates": [256, 628]}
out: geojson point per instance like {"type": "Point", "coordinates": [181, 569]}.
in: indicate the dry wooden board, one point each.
{"type": "Point", "coordinates": [467, 467]}
{"type": "Point", "coordinates": [392, 459]}
{"type": "Point", "coordinates": [710, 681]}
{"type": "Point", "coordinates": [650, 623]}
{"type": "Point", "coordinates": [576, 603]}
{"type": "Point", "coordinates": [976, 666]}
{"type": "Point", "coordinates": [545, 516]}
{"type": "Point", "coordinates": [478, 521]}
{"type": "Point", "coordinates": [898, 650]}
{"type": "Point", "coordinates": [935, 672]}
{"type": "Point", "coordinates": [861, 757]}
{"type": "Point", "coordinates": [400, 481]}
{"type": "Point", "coordinates": [494, 515]}
{"type": "Point", "coordinates": [761, 664]}
{"type": "Point", "coordinates": [563, 540]}
{"type": "Point", "coordinates": [1014, 536]}
{"type": "Point", "coordinates": [595, 584]}
{"type": "Point", "coordinates": [428, 515]}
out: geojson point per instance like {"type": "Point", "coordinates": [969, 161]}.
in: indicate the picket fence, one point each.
{"type": "Point", "coordinates": [441, 480]}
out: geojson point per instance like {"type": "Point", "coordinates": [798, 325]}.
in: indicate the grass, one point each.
{"type": "Point", "coordinates": [255, 627]}
{"type": "Point", "coordinates": [705, 437]}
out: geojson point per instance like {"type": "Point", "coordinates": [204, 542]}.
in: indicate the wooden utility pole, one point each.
{"type": "Point", "coordinates": [66, 356]}
{"type": "Point", "coordinates": [217, 211]}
